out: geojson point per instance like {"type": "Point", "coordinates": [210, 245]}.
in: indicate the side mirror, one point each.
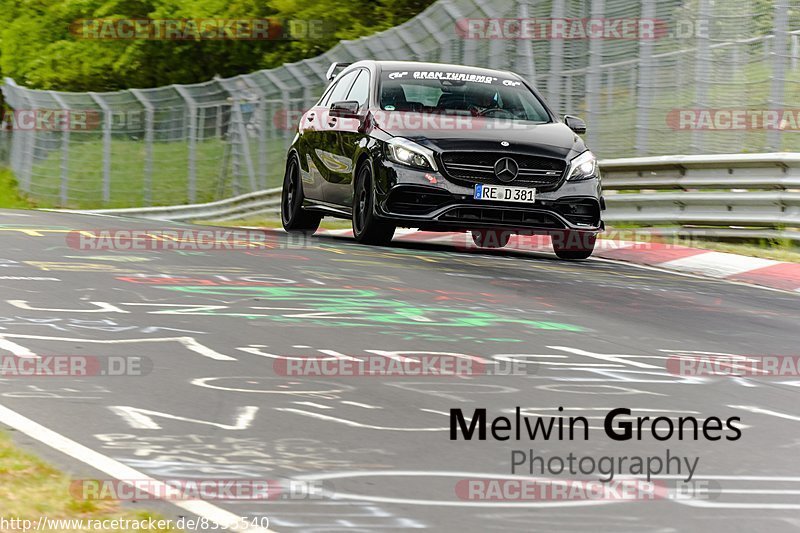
{"type": "Point", "coordinates": [575, 124]}
{"type": "Point", "coordinates": [346, 109]}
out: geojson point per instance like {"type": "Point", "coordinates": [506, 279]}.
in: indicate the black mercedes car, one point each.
{"type": "Point", "coordinates": [442, 148]}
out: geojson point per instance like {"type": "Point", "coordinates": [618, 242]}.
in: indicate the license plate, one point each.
{"type": "Point", "coordinates": [503, 193]}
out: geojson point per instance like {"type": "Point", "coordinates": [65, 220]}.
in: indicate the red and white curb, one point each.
{"type": "Point", "coordinates": [765, 272]}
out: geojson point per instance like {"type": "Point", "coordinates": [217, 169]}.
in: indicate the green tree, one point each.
{"type": "Point", "coordinates": [38, 50]}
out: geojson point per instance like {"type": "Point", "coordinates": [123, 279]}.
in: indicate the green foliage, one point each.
{"type": "Point", "coordinates": [38, 50]}
{"type": "Point", "coordinates": [10, 198]}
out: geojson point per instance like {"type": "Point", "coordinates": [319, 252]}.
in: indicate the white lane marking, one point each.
{"type": "Point", "coordinates": [252, 349]}
{"type": "Point", "coordinates": [334, 353]}
{"type": "Point", "coordinates": [471, 475]}
{"type": "Point", "coordinates": [357, 404]}
{"type": "Point", "coordinates": [441, 503]}
{"type": "Point", "coordinates": [718, 264]}
{"type": "Point", "coordinates": [188, 342]}
{"type": "Point", "coordinates": [139, 419]}
{"type": "Point", "coordinates": [443, 413]}
{"type": "Point", "coordinates": [28, 278]}
{"type": "Point", "coordinates": [760, 411]}
{"type": "Point", "coordinates": [759, 491]}
{"type": "Point", "coordinates": [102, 307]}
{"type": "Point", "coordinates": [118, 470]}
{"type": "Point", "coordinates": [320, 394]}
{"type": "Point", "coordinates": [739, 505]}
{"type": "Point", "coordinates": [610, 358]}
{"type": "Point", "coordinates": [312, 404]}
{"type": "Point", "coordinates": [352, 423]}
{"type": "Point", "coordinates": [16, 349]}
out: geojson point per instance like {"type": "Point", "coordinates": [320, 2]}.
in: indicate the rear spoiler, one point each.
{"type": "Point", "coordinates": [333, 68]}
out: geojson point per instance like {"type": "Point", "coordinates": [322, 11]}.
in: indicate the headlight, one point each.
{"type": "Point", "coordinates": [409, 153]}
{"type": "Point", "coordinates": [583, 167]}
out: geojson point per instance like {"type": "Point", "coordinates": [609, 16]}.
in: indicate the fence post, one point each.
{"type": "Point", "coordinates": [21, 157]}
{"type": "Point", "coordinates": [525, 63]}
{"type": "Point", "coordinates": [107, 125]}
{"type": "Point", "coordinates": [645, 73]}
{"type": "Point", "coordinates": [149, 126]}
{"type": "Point", "coordinates": [593, 76]}
{"type": "Point", "coordinates": [702, 70]}
{"type": "Point", "coordinates": [776, 93]}
{"type": "Point", "coordinates": [63, 190]}
{"type": "Point", "coordinates": [556, 62]}
{"type": "Point", "coordinates": [191, 186]}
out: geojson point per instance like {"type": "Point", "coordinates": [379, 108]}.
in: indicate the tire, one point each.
{"type": "Point", "coordinates": [574, 244]}
{"type": "Point", "coordinates": [293, 216]}
{"type": "Point", "coordinates": [487, 238]}
{"type": "Point", "coordinates": [367, 228]}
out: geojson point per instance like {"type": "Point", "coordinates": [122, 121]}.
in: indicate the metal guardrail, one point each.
{"type": "Point", "coordinates": [264, 203]}
{"type": "Point", "coordinates": [725, 196]}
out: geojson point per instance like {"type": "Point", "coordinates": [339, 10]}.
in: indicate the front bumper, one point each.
{"type": "Point", "coordinates": [427, 200]}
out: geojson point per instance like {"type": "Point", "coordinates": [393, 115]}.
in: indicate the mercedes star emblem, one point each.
{"type": "Point", "coordinates": [506, 169]}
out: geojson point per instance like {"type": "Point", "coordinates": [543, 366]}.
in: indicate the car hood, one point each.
{"type": "Point", "coordinates": [550, 140]}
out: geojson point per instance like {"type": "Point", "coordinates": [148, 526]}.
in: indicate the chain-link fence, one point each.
{"type": "Point", "coordinates": [650, 77]}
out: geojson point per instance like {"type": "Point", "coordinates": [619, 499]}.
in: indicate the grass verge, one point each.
{"type": "Point", "coordinates": [30, 488]}
{"type": "Point", "coordinates": [10, 197]}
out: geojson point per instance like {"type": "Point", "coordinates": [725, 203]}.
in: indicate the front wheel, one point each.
{"type": "Point", "coordinates": [367, 228]}
{"type": "Point", "coordinates": [574, 244]}
{"type": "Point", "coordinates": [293, 216]}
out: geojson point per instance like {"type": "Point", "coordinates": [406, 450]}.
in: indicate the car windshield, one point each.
{"type": "Point", "coordinates": [460, 93]}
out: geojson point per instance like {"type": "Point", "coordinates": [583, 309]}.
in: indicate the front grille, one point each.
{"type": "Point", "coordinates": [493, 215]}
{"type": "Point", "coordinates": [468, 168]}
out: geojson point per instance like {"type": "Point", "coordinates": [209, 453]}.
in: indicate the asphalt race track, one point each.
{"type": "Point", "coordinates": [594, 335]}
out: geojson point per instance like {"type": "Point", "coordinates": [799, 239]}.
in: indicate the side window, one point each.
{"type": "Point", "coordinates": [339, 92]}
{"type": "Point", "coordinates": [360, 90]}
